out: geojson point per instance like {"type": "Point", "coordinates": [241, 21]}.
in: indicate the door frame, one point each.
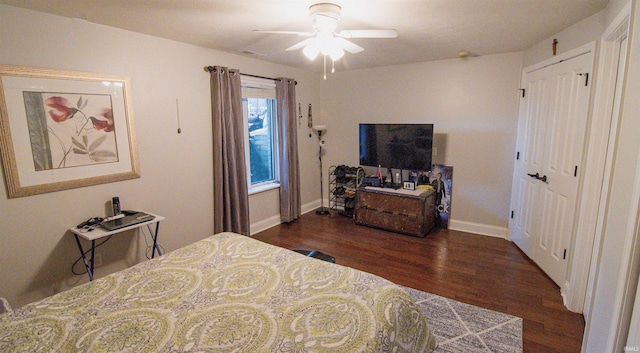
{"type": "Point", "coordinates": [609, 334]}
{"type": "Point", "coordinates": [583, 260]}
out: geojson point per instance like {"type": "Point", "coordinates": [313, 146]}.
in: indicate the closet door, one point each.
{"type": "Point", "coordinates": [546, 179]}
{"type": "Point", "coordinates": [529, 158]}
{"type": "Point", "coordinates": [564, 147]}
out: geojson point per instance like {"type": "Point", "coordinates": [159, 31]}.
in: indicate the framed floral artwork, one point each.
{"type": "Point", "coordinates": [64, 129]}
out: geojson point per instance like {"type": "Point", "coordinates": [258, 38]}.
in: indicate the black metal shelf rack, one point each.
{"type": "Point", "coordinates": [343, 181]}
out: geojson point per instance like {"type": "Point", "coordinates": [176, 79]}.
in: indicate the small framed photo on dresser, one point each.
{"type": "Point", "coordinates": [409, 185]}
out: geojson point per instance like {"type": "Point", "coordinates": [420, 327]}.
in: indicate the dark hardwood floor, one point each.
{"type": "Point", "coordinates": [488, 272]}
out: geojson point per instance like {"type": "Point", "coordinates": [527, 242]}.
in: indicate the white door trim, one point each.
{"type": "Point", "coordinates": [589, 47]}
{"type": "Point", "coordinates": [633, 338]}
{"type": "Point", "coordinates": [584, 256]}
{"type": "Point", "coordinates": [609, 333]}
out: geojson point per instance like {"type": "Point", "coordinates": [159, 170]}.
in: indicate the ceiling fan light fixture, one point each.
{"type": "Point", "coordinates": [336, 53]}
{"type": "Point", "coordinates": [311, 50]}
{"type": "Point", "coordinates": [326, 41]}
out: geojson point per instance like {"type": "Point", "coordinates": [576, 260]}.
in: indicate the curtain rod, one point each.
{"type": "Point", "coordinates": [211, 68]}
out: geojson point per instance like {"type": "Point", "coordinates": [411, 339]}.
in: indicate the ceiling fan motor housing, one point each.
{"type": "Point", "coordinates": [325, 9]}
{"type": "Point", "coordinates": [325, 16]}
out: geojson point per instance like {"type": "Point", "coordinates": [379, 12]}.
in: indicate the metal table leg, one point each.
{"type": "Point", "coordinates": [88, 266]}
{"type": "Point", "coordinates": [155, 242]}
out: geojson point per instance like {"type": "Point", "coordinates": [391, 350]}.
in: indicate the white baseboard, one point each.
{"type": "Point", "coordinates": [311, 206]}
{"type": "Point", "coordinates": [469, 227]}
{"type": "Point", "coordinates": [478, 228]}
{"type": "Point", "coordinates": [264, 224]}
{"type": "Point", "coordinates": [275, 220]}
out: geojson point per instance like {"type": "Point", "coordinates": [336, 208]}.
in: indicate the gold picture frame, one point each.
{"type": "Point", "coordinates": [64, 129]}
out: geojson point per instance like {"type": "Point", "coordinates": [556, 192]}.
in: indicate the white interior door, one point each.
{"type": "Point", "coordinates": [529, 158]}
{"type": "Point", "coordinates": [551, 134]}
{"type": "Point", "coordinates": [564, 146]}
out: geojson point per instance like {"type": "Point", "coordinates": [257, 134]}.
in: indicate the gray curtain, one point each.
{"type": "Point", "coordinates": [230, 193]}
{"type": "Point", "coordinates": [290, 208]}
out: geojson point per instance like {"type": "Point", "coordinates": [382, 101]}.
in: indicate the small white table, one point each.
{"type": "Point", "coordinates": [98, 233]}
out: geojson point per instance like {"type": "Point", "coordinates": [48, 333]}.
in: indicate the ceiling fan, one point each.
{"type": "Point", "coordinates": [325, 40]}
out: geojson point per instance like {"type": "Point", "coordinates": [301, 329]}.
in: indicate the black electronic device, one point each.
{"type": "Point", "coordinates": [317, 255]}
{"type": "Point", "coordinates": [371, 181]}
{"type": "Point", "coordinates": [90, 222]}
{"type": "Point", "coordinates": [398, 146]}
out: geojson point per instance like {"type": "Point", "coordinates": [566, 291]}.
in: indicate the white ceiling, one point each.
{"type": "Point", "coordinates": [427, 29]}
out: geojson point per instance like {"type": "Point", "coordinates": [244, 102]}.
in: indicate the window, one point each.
{"type": "Point", "coordinates": [260, 117]}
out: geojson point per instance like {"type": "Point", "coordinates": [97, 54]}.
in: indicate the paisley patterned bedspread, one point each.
{"type": "Point", "coordinates": [226, 293]}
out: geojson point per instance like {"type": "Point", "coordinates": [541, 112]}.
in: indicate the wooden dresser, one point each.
{"type": "Point", "coordinates": [410, 212]}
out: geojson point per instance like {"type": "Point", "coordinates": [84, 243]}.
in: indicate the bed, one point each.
{"type": "Point", "coordinates": [226, 293]}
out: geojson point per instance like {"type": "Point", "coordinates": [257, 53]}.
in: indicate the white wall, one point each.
{"type": "Point", "coordinates": [36, 251]}
{"type": "Point", "coordinates": [473, 104]}
{"type": "Point", "coordinates": [614, 7]}
{"type": "Point", "coordinates": [588, 30]}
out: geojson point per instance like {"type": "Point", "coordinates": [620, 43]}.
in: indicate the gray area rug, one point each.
{"type": "Point", "coordinates": [461, 327]}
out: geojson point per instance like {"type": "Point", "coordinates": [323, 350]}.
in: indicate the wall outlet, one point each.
{"type": "Point", "coordinates": [97, 260]}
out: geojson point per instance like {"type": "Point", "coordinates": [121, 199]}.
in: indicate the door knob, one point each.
{"type": "Point", "coordinates": [537, 176]}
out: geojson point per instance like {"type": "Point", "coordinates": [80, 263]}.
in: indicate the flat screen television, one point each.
{"type": "Point", "coordinates": [397, 146]}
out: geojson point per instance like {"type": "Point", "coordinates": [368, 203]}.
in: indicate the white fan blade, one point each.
{"type": "Point", "coordinates": [300, 45]}
{"type": "Point", "coordinates": [369, 33]}
{"type": "Point", "coordinates": [302, 34]}
{"type": "Point", "coordinates": [348, 46]}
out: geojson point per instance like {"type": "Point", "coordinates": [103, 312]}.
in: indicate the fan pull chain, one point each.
{"type": "Point", "coordinates": [333, 66]}
{"type": "Point", "coordinates": [325, 67]}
